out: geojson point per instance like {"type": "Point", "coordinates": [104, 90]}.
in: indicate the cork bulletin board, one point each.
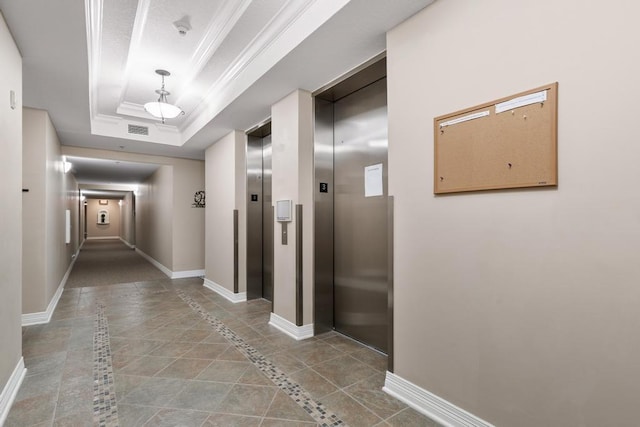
{"type": "Point", "coordinates": [507, 143]}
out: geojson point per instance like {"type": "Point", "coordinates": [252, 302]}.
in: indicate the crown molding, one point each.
{"type": "Point", "coordinates": [219, 28]}
{"type": "Point", "coordinates": [293, 23]}
{"type": "Point", "coordinates": [142, 13]}
{"type": "Point", "coordinates": [93, 18]}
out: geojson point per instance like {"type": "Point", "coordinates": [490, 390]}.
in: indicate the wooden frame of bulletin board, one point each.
{"type": "Point", "coordinates": [507, 143]}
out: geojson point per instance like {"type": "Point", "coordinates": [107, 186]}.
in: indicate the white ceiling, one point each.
{"type": "Point", "coordinates": [92, 65]}
{"type": "Point", "coordinates": [104, 194]}
{"type": "Point", "coordinates": [110, 172]}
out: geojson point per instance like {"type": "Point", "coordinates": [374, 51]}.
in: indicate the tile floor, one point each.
{"type": "Point", "coordinates": [172, 353]}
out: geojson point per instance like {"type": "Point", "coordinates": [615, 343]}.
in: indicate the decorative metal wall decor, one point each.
{"type": "Point", "coordinates": [198, 199]}
{"type": "Point", "coordinates": [103, 217]}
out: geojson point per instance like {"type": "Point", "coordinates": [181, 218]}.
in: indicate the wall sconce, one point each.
{"type": "Point", "coordinates": [66, 166]}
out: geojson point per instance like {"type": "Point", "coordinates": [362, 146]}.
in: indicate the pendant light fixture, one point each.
{"type": "Point", "coordinates": [161, 108]}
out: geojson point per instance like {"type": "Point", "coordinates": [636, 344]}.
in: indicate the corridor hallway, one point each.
{"type": "Point", "coordinates": [159, 352]}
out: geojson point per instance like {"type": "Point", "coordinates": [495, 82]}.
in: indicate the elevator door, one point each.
{"type": "Point", "coordinates": [259, 219]}
{"type": "Point", "coordinates": [360, 223]}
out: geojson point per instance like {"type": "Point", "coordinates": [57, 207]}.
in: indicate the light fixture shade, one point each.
{"type": "Point", "coordinates": [162, 110]}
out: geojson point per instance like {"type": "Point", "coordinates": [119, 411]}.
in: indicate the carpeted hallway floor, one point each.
{"type": "Point", "coordinates": [109, 261]}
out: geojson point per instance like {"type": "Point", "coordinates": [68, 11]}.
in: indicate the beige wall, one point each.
{"type": "Point", "coordinates": [241, 198]}
{"type": "Point", "coordinates": [33, 210]}
{"type": "Point", "coordinates": [62, 194]}
{"type": "Point", "coordinates": [154, 222]}
{"type": "Point", "coordinates": [46, 255]}
{"type": "Point", "coordinates": [219, 178]}
{"type": "Point", "coordinates": [225, 168]}
{"type": "Point", "coordinates": [188, 226]}
{"type": "Point", "coordinates": [11, 206]}
{"type": "Point", "coordinates": [521, 306]}
{"type": "Point", "coordinates": [95, 230]}
{"type": "Point", "coordinates": [182, 249]}
{"type": "Point", "coordinates": [127, 229]}
{"type": "Point", "coordinates": [72, 202]}
{"type": "Point", "coordinates": [292, 148]}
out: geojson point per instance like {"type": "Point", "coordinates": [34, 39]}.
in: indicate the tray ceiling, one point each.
{"type": "Point", "coordinates": [206, 45]}
{"type": "Point", "coordinates": [92, 65]}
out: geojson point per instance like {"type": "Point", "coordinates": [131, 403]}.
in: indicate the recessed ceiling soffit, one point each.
{"type": "Point", "coordinates": [214, 50]}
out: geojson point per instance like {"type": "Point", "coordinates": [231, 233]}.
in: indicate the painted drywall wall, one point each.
{"type": "Point", "coordinates": [96, 230]}
{"type": "Point", "coordinates": [154, 223]}
{"type": "Point", "coordinates": [61, 194]}
{"type": "Point", "coordinates": [219, 179]}
{"type": "Point", "coordinates": [241, 198]}
{"type": "Point", "coordinates": [225, 173]}
{"type": "Point", "coordinates": [292, 161]}
{"type": "Point", "coordinates": [188, 231]}
{"type": "Point", "coordinates": [127, 218]}
{"type": "Point", "coordinates": [520, 306]}
{"type": "Point", "coordinates": [183, 249]}
{"type": "Point", "coordinates": [72, 202]}
{"type": "Point", "coordinates": [51, 192]}
{"type": "Point", "coordinates": [81, 216]}
{"type": "Point", "coordinates": [11, 206]}
{"type": "Point", "coordinates": [33, 211]}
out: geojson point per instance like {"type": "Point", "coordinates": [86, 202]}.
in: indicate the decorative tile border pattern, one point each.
{"type": "Point", "coordinates": [314, 408]}
{"type": "Point", "coordinates": [105, 410]}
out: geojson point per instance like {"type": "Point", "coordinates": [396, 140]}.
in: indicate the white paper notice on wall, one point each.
{"type": "Point", "coordinates": [521, 101]}
{"type": "Point", "coordinates": [373, 180]}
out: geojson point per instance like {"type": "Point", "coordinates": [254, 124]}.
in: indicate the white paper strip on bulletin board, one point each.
{"type": "Point", "coordinates": [521, 101]}
{"type": "Point", "coordinates": [464, 119]}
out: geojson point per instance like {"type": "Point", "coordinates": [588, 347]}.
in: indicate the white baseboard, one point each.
{"type": "Point", "coordinates": [297, 332]}
{"type": "Point", "coordinates": [427, 403]}
{"type": "Point", "coordinates": [29, 319]}
{"type": "Point", "coordinates": [171, 274]}
{"type": "Point", "coordinates": [10, 390]}
{"type": "Point", "coordinates": [159, 266]}
{"type": "Point", "coordinates": [103, 238]}
{"type": "Point", "coordinates": [221, 290]}
{"type": "Point", "coordinates": [187, 273]}
{"type": "Point", "coordinates": [127, 243]}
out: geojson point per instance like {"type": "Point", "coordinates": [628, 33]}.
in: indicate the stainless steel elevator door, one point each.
{"type": "Point", "coordinates": [259, 219]}
{"type": "Point", "coordinates": [360, 223]}
{"type": "Point", "coordinates": [267, 221]}
{"type": "Point", "coordinates": [254, 217]}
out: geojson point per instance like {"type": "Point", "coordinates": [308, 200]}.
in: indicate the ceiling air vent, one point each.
{"type": "Point", "coordinates": [138, 130]}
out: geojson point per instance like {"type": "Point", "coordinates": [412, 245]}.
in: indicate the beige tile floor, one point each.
{"type": "Point", "coordinates": [171, 367]}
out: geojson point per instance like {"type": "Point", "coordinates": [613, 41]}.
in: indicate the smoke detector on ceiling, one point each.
{"type": "Point", "coordinates": [182, 25]}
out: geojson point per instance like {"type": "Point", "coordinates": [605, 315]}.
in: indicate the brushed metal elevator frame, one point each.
{"type": "Point", "coordinates": [260, 225]}
{"type": "Point", "coordinates": [299, 277]}
{"type": "Point", "coordinates": [236, 245]}
{"type": "Point", "coordinates": [390, 219]}
{"type": "Point", "coordinates": [363, 76]}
